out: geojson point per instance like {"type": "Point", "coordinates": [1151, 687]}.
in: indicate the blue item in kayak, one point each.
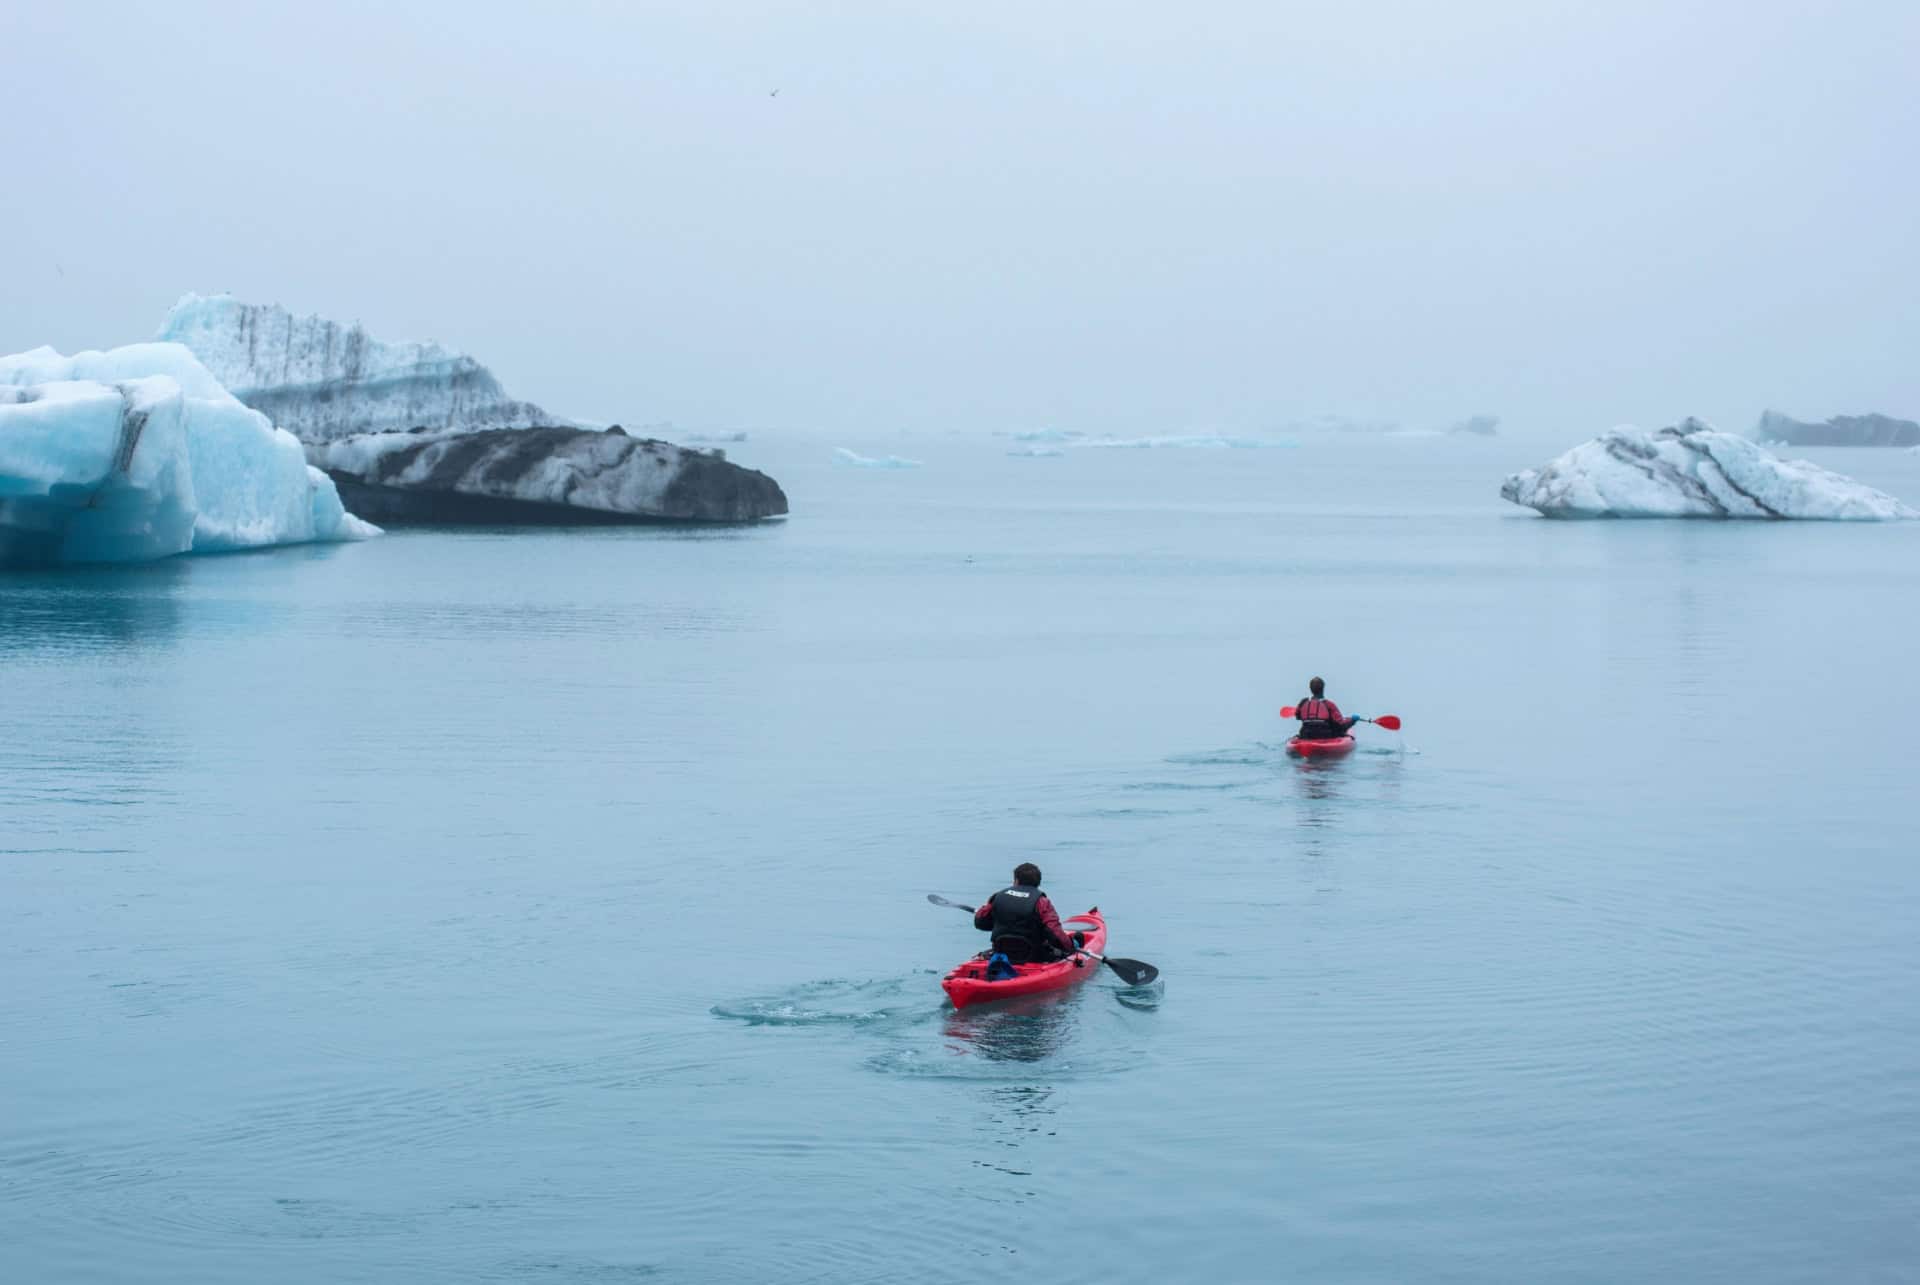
{"type": "Point", "coordinates": [1000, 968]}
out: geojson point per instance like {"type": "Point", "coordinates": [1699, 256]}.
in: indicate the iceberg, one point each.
{"type": "Point", "coordinates": [1692, 471]}
{"type": "Point", "coordinates": [381, 417]}
{"type": "Point", "coordinates": [542, 475]}
{"type": "Point", "coordinates": [138, 453]}
{"type": "Point", "coordinates": [321, 380]}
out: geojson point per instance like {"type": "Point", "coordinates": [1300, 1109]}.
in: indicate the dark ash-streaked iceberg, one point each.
{"type": "Point", "coordinates": [1692, 471]}
{"type": "Point", "coordinates": [541, 476]}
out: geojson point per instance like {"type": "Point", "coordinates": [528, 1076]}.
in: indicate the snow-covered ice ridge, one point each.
{"type": "Point", "coordinates": [1692, 471]}
{"type": "Point", "coordinates": [321, 380]}
{"type": "Point", "coordinates": [138, 453]}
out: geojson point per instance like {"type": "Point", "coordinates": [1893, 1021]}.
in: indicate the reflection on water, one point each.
{"type": "Point", "coordinates": [1027, 1029]}
{"type": "Point", "coordinates": [1319, 782]}
{"type": "Point", "coordinates": [90, 609]}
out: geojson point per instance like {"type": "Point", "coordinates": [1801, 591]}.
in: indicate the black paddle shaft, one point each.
{"type": "Point", "coordinates": [1133, 972]}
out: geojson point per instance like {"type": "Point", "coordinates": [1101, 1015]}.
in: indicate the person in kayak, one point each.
{"type": "Point", "coordinates": [1025, 927]}
{"type": "Point", "coordinates": [1321, 719]}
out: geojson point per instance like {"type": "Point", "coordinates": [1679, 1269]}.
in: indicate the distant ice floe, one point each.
{"type": "Point", "coordinates": [1037, 452]}
{"type": "Point", "coordinates": [1178, 441]}
{"type": "Point", "coordinates": [710, 439]}
{"type": "Point", "coordinates": [138, 453]}
{"type": "Point", "coordinates": [1841, 430]}
{"type": "Point", "coordinates": [853, 459]}
{"type": "Point", "coordinates": [1164, 441]}
{"type": "Point", "coordinates": [1693, 471]}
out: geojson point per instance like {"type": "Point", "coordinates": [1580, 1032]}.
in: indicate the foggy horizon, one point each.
{"type": "Point", "coordinates": [1092, 219]}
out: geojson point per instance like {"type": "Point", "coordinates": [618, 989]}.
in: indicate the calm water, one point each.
{"type": "Point", "coordinates": [523, 907]}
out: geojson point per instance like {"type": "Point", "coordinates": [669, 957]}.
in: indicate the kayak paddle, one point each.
{"type": "Point", "coordinates": [1389, 721]}
{"type": "Point", "coordinates": [1133, 972]}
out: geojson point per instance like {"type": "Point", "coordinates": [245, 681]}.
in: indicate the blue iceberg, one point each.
{"type": "Point", "coordinates": [139, 453]}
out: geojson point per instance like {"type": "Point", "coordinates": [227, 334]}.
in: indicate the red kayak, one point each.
{"type": "Point", "coordinates": [968, 983]}
{"type": "Point", "coordinates": [1301, 747]}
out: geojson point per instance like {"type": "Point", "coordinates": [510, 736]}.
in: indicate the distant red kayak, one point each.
{"type": "Point", "coordinates": [968, 984]}
{"type": "Point", "coordinates": [1301, 747]}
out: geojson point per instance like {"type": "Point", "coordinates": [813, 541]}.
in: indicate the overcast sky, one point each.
{"type": "Point", "coordinates": [986, 215]}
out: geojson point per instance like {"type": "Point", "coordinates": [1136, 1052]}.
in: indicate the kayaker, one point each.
{"type": "Point", "coordinates": [1321, 719]}
{"type": "Point", "coordinates": [1025, 927]}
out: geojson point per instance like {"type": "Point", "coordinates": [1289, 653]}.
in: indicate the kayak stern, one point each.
{"type": "Point", "coordinates": [967, 983]}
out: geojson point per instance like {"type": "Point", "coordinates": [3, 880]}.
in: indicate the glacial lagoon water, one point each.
{"type": "Point", "coordinates": [549, 907]}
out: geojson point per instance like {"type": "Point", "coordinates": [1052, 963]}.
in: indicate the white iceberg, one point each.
{"type": "Point", "coordinates": [853, 459]}
{"type": "Point", "coordinates": [1692, 471]}
{"type": "Point", "coordinates": [1037, 452]}
{"type": "Point", "coordinates": [138, 453]}
{"type": "Point", "coordinates": [321, 380]}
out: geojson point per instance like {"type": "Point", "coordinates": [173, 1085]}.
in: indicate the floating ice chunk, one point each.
{"type": "Point", "coordinates": [1692, 471]}
{"type": "Point", "coordinates": [1037, 452]}
{"type": "Point", "coordinates": [1047, 435]}
{"type": "Point", "coordinates": [321, 380]}
{"type": "Point", "coordinates": [852, 459]}
{"type": "Point", "coordinates": [138, 453]}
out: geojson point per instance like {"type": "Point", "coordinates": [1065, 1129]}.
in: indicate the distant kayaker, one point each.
{"type": "Point", "coordinates": [1321, 719]}
{"type": "Point", "coordinates": [1024, 925]}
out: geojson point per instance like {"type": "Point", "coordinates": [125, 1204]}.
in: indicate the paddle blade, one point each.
{"type": "Point", "coordinates": [1286, 711]}
{"type": "Point", "coordinates": [938, 900]}
{"type": "Point", "coordinates": [1132, 971]}
{"type": "Point", "coordinates": [1389, 721]}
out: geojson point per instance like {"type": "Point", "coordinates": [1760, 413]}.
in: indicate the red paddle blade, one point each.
{"type": "Point", "coordinates": [1389, 721]}
{"type": "Point", "coordinates": [1286, 711]}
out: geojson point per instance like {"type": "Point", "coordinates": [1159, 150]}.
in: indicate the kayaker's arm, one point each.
{"type": "Point", "coordinates": [1051, 922]}
{"type": "Point", "coordinates": [983, 918]}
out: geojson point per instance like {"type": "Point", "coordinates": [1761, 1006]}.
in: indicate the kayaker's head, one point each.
{"type": "Point", "coordinates": [1027, 875]}
{"type": "Point", "coordinates": [1318, 687]}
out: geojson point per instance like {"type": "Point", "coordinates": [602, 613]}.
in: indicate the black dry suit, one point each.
{"type": "Point", "coordinates": [1017, 928]}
